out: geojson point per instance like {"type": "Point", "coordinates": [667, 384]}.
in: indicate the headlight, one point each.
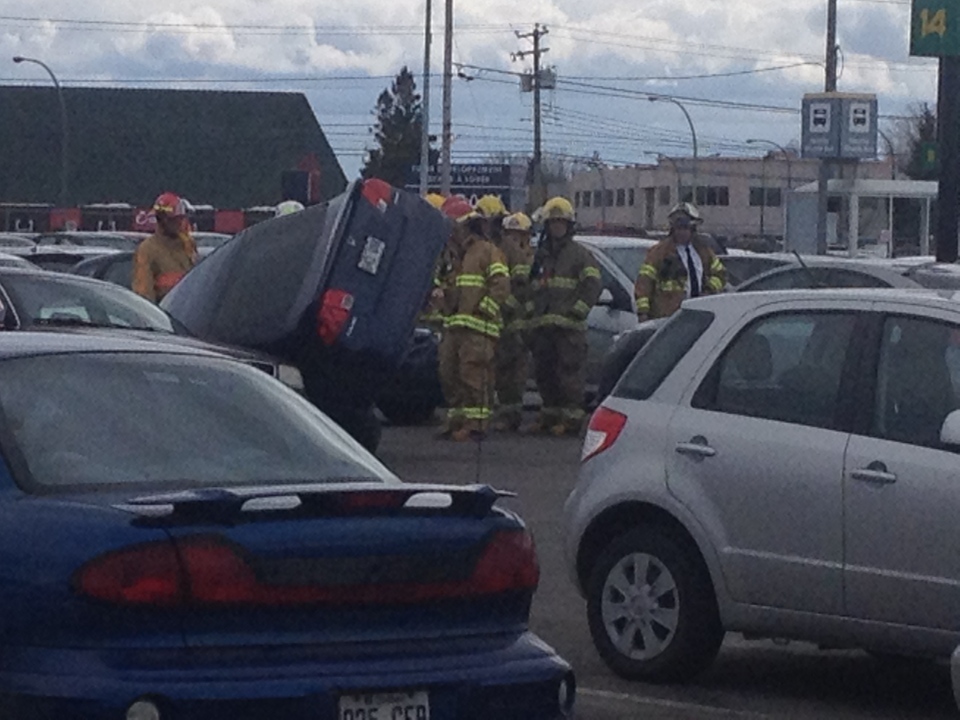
{"type": "Point", "coordinates": [291, 377]}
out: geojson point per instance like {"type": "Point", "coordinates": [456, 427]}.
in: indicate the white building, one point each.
{"type": "Point", "coordinates": [742, 199]}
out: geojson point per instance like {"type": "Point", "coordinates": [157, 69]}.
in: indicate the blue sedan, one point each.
{"type": "Point", "coordinates": [182, 537]}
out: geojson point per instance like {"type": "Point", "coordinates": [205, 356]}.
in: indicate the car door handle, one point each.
{"type": "Point", "coordinates": [696, 448]}
{"type": "Point", "coordinates": [875, 473]}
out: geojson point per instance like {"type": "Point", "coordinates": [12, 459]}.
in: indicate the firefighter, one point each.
{"type": "Point", "coordinates": [475, 283]}
{"type": "Point", "coordinates": [681, 266]}
{"type": "Point", "coordinates": [493, 211]}
{"type": "Point", "coordinates": [512, 365]}
{"type": "Point", "coordinates": [162, 260]}
{"type": "Point", "coordinates": [566, 285]}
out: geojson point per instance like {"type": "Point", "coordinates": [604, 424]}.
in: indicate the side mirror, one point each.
{"type": "Point", "coordinates": [606, 298]}
{"type": "Point", "coordinates": [950, 432]}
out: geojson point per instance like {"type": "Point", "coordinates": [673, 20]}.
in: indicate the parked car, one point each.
{"type": "Point", "coordinates": [758, 468]}
{"type": "Point", "coordinates": [113, 241]}
{"type": "Point", "coordinates": [803, 273]}
{"type": "Point", "coordinates": [831, 272]}
{"type": "Point", "coordinates": [15, 261]}
{"type": "Point", "coordinates": [335, 290]}
{"type": "Point", "coordinates": [61, 258]}
{"type": "Point", "coordinates": [741, 265]}
{"type": "Point", "coordinates": [615, 312]}
{"type": "Point", "coordinates": [627, 253]}
{"type": "Point", "coordinates": [116, 268]}
{"type": "Point", "coordinates": [16, 242]}
{"type": "Point", "coordinates": [165, 552]}
{"type": "Point", "coordinates": [36, 300]}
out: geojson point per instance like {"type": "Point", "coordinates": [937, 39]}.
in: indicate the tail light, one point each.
{"type": "Point", "coordinates": [378, 193]}
{"type": "Point", "coordinates": [146, 574]}
{"type": "Point", "coordinates": [333, 315]}
{"type": "Point", "coordinates": [604, 429]}
{"type": "Point", "coordinates": [509, 562]}
{"type": "Point", "coordinates": [210, 571]}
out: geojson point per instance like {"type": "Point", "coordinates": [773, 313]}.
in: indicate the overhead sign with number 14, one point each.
{"type": "Point", "coordinates": [935, 28]}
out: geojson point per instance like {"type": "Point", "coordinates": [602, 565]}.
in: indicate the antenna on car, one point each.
{"type": "Point", "coordinates": [814, 283]}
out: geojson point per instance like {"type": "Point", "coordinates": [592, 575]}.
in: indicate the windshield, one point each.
{"type": "Point", "coordinates": [628, 259]}
{"type": "Point", "coordinates": [163, 421]}
{"type": "Point", "coordinates": [50, 300]}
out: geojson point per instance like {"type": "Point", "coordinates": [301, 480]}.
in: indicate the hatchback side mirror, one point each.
{"type": "Point", "coordinates": [606, 298]}
{"type": "Point", "coordinates": [950, 432]}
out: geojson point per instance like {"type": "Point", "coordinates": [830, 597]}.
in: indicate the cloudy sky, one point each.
{"type": "Point", "coordinates": [740, 67]}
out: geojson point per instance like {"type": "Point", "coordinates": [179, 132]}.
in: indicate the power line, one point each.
{"type": "Point", "coordinates": [243, 29]}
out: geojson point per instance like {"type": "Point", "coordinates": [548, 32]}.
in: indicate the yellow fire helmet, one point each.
{"type": "Point", "coordinates": [435, 199]}
{"type": "Point", "coordinates": [491, 206]}
{"type": "Point", "coordinates": [518, 222]}
{"type": "Point", "coordinates": [557, 208]}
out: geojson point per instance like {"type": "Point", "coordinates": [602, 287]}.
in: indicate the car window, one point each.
{"type": "Point", "coordinates": [918, 380]}
{"type": "Point", "coordinates": [120, 272]}
{"type": "Point", "coordinates": [741, 268]}
{"type": "Point", "coordinates": [783, 280]}
{"type": "Point", "coordinates": [135, 420]}
{"type": "Point", "coordinates": [40, 299]}
{"type": "Point", "coordinates": [843, 278]}
{"type": "Point", "coordinates": [659, 356]}
{"type": "Point", "coordinates": [628, 259]}
{"type": "Point", "coordinates": [786, 367]}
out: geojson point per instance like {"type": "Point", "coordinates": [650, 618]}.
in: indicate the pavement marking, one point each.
{"type": "Point", "coordinates": [668, 704]}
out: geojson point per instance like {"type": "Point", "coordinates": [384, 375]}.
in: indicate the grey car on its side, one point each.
{"type": "Point", "coordinates": [779, 464]}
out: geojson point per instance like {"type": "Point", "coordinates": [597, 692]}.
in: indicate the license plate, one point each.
{"type": "Point", "coordinates": [386, 706]}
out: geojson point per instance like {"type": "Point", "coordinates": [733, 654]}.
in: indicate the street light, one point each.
{"type": "Point", "coordinates": [893, 176]}
{"type": "Point", "coordinates": [693, 133]}
{"type": "Point", "coordinates": [763, 200]}
{"type": "Point", "coordinates": [64, 168]}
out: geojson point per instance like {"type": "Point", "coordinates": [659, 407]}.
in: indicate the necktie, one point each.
{"type": "Point", "coordinates": [694, 275]}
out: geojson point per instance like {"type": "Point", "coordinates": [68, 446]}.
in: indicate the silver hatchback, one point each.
{"type": "Point", "coordinates": [779, 464]}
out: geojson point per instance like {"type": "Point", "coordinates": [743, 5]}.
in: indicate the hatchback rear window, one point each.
{"type": "Point", "coordinates": [658, 357]}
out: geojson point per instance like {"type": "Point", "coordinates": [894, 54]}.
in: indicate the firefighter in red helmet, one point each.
{"type": "Point", "coordinates": [162, 260]}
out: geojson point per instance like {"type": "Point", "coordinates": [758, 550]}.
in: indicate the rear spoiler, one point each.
{"type": "Point", "coordinates": [242, 504]}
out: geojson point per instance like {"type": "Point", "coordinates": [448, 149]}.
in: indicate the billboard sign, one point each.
{"type": "Point", "coordinates": [472, 180]}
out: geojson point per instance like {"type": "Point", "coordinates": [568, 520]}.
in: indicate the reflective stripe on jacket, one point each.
{"type": "Point", "coordinates": [475, 287]}
{"type": "Point", "coordinates": [662, 284]}
{"type": "Point", "coordinates": [566, 285]}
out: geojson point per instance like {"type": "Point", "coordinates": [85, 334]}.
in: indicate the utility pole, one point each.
{"type": "Point", "coordinates": [830, 85]}
{"type": "Point", "coordinates": [948, 121]}
{"type": "Point", "coordinates": [425, 104]}
{"type": "Point", "coordinates": [538, 191]}
{"type": "Point", "coordinates": [447, 99]}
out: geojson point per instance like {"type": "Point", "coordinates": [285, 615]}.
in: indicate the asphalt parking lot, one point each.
{"type": "Point", "coordinates": [749, 680]}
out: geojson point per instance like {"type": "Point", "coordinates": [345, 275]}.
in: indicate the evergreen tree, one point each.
{"type": "Point", "coordinates": [397, 131]}
{"type": "Point", "coordinates": [917, 133]}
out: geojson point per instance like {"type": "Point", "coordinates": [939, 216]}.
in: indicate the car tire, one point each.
{"type": "Point", "coordinates": [671, 610]}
